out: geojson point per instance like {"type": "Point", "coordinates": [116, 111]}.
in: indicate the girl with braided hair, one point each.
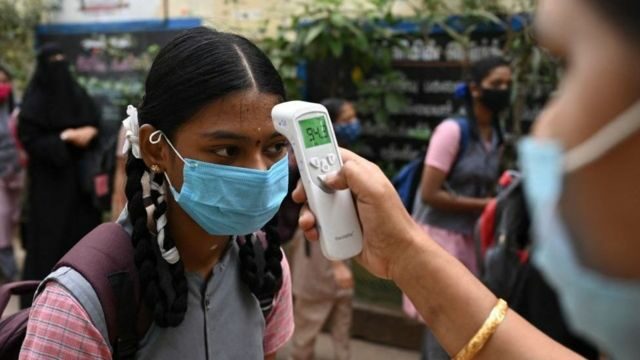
{"type": "Point", "coordinates": [206, 171]}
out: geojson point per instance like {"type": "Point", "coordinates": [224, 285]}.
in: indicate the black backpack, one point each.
{"type": "Point", "coordinates": [504, 247]}
{"type": "Point", "coordinates": [96, 168]}
{"type": "Point", "coordinates": [104, 257]}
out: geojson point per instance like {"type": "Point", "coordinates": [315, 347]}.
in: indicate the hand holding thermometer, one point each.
{"type": "Point", "coordinates": [308, 128]}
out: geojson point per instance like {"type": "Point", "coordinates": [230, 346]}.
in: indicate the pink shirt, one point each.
{"type": "Point", "coordinates": [444, 146]}
{"type": "Point", "coordinates": [60, 328]}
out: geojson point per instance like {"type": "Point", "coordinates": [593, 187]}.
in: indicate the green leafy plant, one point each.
{"type": "Point", "coordinates": [18, 19]}
{"type": "Point", "coordinates": [357, 43]}
{"type": "Point", "coordinates": [535, 72]}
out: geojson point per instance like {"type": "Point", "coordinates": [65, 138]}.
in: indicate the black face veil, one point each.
{"type": "Point", "coordinates": [53, 95]}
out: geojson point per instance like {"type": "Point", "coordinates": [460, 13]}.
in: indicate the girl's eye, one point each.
{"type": "Point", "coordinates": [229, 151]}
{"type": "Point", "coordinates": [277, 148]}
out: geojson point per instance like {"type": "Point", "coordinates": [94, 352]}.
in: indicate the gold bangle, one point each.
{"type": "Point", "coordinates": [483, 335]}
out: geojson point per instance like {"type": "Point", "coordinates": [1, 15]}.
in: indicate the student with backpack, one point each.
{"type": "Point", "coordinates": [461, 168]}
{"type": "Point", "coordinates": [205, 172]}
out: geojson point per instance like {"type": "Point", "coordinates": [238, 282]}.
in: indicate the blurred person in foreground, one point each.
{"type": "Point", "coordinates": [58, 122]}
{"type": "Point", "coordinates": [581, 181]}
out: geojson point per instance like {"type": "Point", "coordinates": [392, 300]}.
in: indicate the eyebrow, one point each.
{"type": "Point", "coordinates": [229, 135]}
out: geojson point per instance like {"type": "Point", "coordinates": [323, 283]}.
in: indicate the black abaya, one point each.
{"type": "Point", "coordinates": [58, 213]}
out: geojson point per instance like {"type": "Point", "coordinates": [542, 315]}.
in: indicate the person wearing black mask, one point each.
{"type": "Point", "coordinates": [462, 169]}
{"type": "Point", "coordinates": [58, 123]}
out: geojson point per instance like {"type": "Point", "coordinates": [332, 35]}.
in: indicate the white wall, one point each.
{"type": "Point", "coordinates": [92, 11]}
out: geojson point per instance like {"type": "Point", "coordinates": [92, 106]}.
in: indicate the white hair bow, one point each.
{"type": "Point", "coordinates": [132, 128]}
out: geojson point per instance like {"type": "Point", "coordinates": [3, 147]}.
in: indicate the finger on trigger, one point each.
{"type": "Point", "coordinates": [306, 220]}
{"type": "Point", "coordinates": [298, 195]}
{"type": "Point", "coordinates": [311, 235]}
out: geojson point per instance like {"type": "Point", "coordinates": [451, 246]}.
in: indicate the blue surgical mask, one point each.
{"type": "Point", "coordinates": [602, 308]}
{"type": "Point", "coordinates": [348, 133]}
{"type": "Point", "coordinates": [229, 200]}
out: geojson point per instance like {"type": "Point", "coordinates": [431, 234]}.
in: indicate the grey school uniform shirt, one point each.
{"type": "Point", "coordinates": [223, 319]}
{"type": "Point", "coordinates": [475, 174]}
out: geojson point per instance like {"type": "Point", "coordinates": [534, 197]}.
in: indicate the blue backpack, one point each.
{"type": "Point", "coordinates": [408, 179]}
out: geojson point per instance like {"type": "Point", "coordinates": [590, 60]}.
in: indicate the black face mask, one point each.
{"type": "Point", "coordinates": [58, 75]}
{"type": "Point", "coordinates": [496, 100]}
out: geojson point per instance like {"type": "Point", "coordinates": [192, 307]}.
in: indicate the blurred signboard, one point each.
{"type": "Point", "coordinates": [111, 59]}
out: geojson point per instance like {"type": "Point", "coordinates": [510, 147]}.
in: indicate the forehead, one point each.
{"type": "Point", "coordinates": [239, 112]}
{"type": "Point", "coordinates": [500, 72]}
{"type": "Point", "coordinates": [347, 108]}
{"type": "Point", "coordinates": [3, 76]}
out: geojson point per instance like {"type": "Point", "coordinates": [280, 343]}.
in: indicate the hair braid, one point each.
{"type": "Point", "coordinates": [273, 258]}
{"type": "Point", "coordinates": [266, 284]}
{"type": "Point", "coordinates": [162, 285]}
{"type": "Point", "coordinates": [248, 266]}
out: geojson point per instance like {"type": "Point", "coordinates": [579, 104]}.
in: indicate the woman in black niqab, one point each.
{"type": "Point", "coordinates": [58, 123]}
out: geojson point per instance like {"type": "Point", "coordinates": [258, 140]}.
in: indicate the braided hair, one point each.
{"type": "Point", "coordinates": [197, 67]}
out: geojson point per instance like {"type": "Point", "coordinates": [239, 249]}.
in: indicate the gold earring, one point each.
{"type": "Point", "coordinates": [155, 169]}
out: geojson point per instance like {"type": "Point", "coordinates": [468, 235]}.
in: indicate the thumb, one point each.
{"type": "Point", "coordinates": [339, 180]}
{"type": "Point", "coordinates": [336, 180]}
{"type": "Point", "coordinates": [351, 175]}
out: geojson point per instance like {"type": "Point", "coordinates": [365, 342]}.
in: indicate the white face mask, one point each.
{"type": "Point", "coordinates": [606, 310]}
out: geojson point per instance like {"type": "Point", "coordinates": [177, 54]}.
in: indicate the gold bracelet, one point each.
{"type": "Point", "coordinates": [483, 335]}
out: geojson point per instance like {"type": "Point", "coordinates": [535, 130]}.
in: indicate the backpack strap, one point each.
{"type": "Point", "coordinates": [15, 288]}
{"type": "Point", "coordinates": [127, 319]}
{"type": "Point", "coordinates": [13, 328]}
{"type": "Point", "coordinates": [104, 258]}
{"type": "Point", "coordinates": [84, 293]}
{"type": "Point", "coordinates": [465, 135]}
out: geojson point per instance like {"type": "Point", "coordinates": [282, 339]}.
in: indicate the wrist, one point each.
{"type": "Point", "coordinates": [482, 203]}
{"type": "Point", "coordinates": [412, 243]}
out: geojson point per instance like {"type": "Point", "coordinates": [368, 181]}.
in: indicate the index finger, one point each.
{"type": "Point", "coordinates": [348, 155]}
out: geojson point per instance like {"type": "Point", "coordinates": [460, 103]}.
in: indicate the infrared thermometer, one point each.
{"type": "Point", "coordinates": [308, 128]}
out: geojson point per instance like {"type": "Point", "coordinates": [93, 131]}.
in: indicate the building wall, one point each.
{"type": "Point", "coordinates": [248, 17]}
